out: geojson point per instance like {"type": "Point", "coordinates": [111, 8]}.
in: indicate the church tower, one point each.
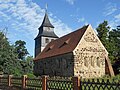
{"type": "Point", "coordinates": [46, 34]}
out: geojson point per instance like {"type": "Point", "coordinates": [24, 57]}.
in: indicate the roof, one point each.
{"type": "Point", "coordinates": [46, 22]}
{"type": "Point", "coordinates": [47, 34]}
{"type": "Point", "coordinates": [65, 44]}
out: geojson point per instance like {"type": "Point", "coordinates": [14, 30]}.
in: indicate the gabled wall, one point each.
{"type": "Point", "coordinates": [89, 56]}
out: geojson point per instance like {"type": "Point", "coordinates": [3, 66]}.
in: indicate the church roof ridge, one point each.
{"type": "Point", "coordinates": [65, 44]}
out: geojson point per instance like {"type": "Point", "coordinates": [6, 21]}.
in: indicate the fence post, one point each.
{"type": "Point", "coordinates": [44, 82]}
{"type": "Point", "coordinates": [24, 82]}
{"type": "Point", "coordinates": [9, 80]}
{"type": "Point", "coordinates": [76, 83]}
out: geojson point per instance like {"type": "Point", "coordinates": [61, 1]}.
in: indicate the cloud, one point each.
{"type": "Point", "coordinates": [71, 2]}
{"type": "Point", "coordinates": [117, 17]}
{"type": "Point", "coordinates": [26, 16]}
{"type": "Point", "coordinates": [81, 19]}
{"type": "Point", "coordinates": [110, 9]}
{"type": "Point", "coordinates": [115, 21]}
{"type": "Point", "coordinates": [113, 10]}
{"type": "Point", "coordinates": [23, 18]}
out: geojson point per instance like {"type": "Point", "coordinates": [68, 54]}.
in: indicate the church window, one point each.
{"type": "Point", "coordinates": [43, 72]}
{"type": "Point", "coordinates": [98, 62]}
{"type": "Point", "coordinates": [85, 61]}
{"type": "Point", "coordinates": [58, 63]}
{"type": "Point", "coordinates": [46, 40]}
{"type": "Point", "coordinates": [36, 66]}
{"type": "Point", "coordinates": [92, 61]}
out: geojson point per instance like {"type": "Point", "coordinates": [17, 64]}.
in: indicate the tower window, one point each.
{"type": "Point", "coordinates": [46, 40]}
{"type": "Point", "coordinates": [52, 39]}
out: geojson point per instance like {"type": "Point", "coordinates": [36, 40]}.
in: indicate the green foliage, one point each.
{"type": "Point", "coordinates": [8, 62]}
{"type": "Point", "coordinates": [103, 30]}
{"type": "Point", "coordinates": [31, 75]}
{"type": "Point", "coordinates": [20, 49]}
{"type": "Point", "coordinates": [27, 65]}
{"type": "Point", "coordinates": [111, 41]}
{"type": "Point", "coordinates": [115, 48]}
{"type": "Point", "coordinates": [11, 57]}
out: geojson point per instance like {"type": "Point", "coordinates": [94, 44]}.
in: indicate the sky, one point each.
{"type": "Point", "coordinates": [21, 19]}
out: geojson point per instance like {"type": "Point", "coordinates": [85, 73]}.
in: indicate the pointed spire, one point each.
{"type": "Point", "coordinates": [46, 22]}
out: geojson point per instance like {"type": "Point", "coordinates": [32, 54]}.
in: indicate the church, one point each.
{"type": "Point", "coordinates": [79, 53]}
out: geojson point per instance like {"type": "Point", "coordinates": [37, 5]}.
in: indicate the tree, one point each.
{"type": "Point", "coordinates": [8, 59]}
{"type": "Point", "coordinates": [27, 65]}
{"type": "Point", "coordinates": [111, 41]}
{"type": "Point", "coordinates": [114, 39]}
{"type": "Point", "coordinates": [20, 49]}
{"type": "Point", "coordinates": [103, 30]}
{"type": "Point", "coordinates": [11, 57]}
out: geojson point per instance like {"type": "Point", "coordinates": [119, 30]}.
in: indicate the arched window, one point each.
{"type": "Point", "coordinates": [98, 61]}
{"type": "Point", "coordinates": [85, 61]}
{"type": "Point", "coordinates": [92, 61]}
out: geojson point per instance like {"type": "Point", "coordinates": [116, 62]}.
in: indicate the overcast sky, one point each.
{"type": "Point", "coordinates": [23, 17]}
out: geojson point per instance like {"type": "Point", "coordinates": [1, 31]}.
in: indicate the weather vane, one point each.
{"type": "Point", "coordinates": [46, 7]}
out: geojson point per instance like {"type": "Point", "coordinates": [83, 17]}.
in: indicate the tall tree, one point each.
{"type": "Point", "coordinates": [114, 39]}
{"type": "Point", "coordinates": [111, 41]}
{"type": "Point", "coordinates": [27, 65]}
{"type": "Point", "coordinates": [8, 59]}
{"type": "Point", "coordinates": [11, 57]}
{"type": "Point", "coordinates": [20, 49]}
{"type": "Point", "coordinates": [103, 30]}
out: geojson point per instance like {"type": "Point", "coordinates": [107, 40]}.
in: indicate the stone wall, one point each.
{"type": "Point", "coordinates": [55, 66]}
{"type": "Point", "coordinates": [89, 56]}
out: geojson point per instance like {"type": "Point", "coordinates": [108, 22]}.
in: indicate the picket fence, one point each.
{"type": "Point", "coordinates": [57, 83]}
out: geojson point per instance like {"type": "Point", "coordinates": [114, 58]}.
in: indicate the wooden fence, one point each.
{"type": "Point", "coordinates": [58, 83]}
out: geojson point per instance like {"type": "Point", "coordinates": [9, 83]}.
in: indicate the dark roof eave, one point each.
{"type": "Point", "coordinates": [50, 36]}
{"type": "Point", "coordinates": [51, 56]}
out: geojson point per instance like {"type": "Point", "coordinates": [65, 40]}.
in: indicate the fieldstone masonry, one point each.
{"type": "Point", "coordinates": [89, 60]}
{"type": "Point", "coordinates": [56, 66]}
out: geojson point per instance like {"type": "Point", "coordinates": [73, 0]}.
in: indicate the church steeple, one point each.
{"type": "Point", "coordinates": [46, 22]}
{"type": "Point", "coordinates": [46, 34]}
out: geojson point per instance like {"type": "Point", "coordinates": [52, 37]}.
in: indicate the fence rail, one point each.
{"type": "Point", "coordinates": [35, 84]}
{"type": "Point", "coordinates": [100, 84]}
{"type": "Point", "coordinates": [58, 83]}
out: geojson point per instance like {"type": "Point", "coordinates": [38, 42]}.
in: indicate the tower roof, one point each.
{"type": "Point", "coordinates": [46, 22]}
{"type": "Point", "coordinates": [47, 34]}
